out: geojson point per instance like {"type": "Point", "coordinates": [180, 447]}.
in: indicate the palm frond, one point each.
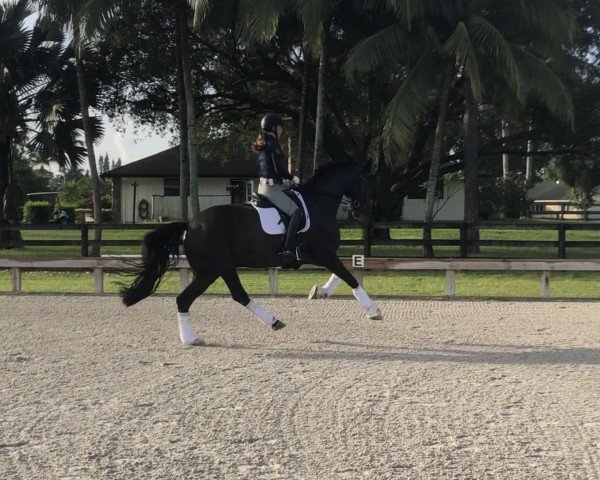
{"type": "Point", "coordinates": [259, 19]}
{"type": "Point", "coordinates": [490, 41]}
{"type": "Point", "coordinates": [315, 14]}
{"type": "Point", "coordinates": [459, 45]}
{"type": "Point", "coordinates": [390, 45]}
{"type": "Point", "coordinates": [555, 17]}
{"type": "Point", "coordinates": [540, 80]}
{"type": "Point", "coordinates": [410, 105]}
{"type": "Point", "coordinates": [411, 10]}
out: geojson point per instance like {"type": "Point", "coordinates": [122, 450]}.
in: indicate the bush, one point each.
{"type": "Point", "coordinates": [37, 212]}
{"type": "Point", "coordinates": [69, 210]}
{"type": "Point", "coordinates": [504, 198]}
{"type": "Point", "coordinates": [80, 214]}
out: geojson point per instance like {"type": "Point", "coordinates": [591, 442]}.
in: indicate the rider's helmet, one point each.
{"type": "Point", "coordinates": [270, 122]}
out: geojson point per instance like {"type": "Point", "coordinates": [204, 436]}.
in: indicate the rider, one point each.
{"type": "Point", "coordinates": [274, 177]}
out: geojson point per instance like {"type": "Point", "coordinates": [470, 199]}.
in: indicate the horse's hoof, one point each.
{"type": "Point", "coordinates": [375, 315]}
{"type": "Point", "coordinates": [196, 342]}
{"type": "Point", "coordinates": [316, 292]}
{"type": "Point", "coordinates": [277, 325]}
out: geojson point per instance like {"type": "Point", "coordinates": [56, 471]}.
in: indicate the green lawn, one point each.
{"type": "Point", "coordinates": [485, 284]}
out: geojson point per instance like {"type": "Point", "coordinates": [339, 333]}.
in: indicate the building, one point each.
{"type": "Point", "coordinates": [449, 205]}
{"type": "Point", "coordinates": [148, 189]}
{"type": "Point", "coordinates": [551, 200]}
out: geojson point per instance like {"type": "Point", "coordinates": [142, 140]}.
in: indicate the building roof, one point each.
{"type": "Point", "coordinates": [166, 164]}
{"type": "Point", "coordinates": [549, 190]}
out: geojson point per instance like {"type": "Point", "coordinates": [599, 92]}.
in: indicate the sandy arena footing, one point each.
{"type": "Point", "coordinates": [437, 390]}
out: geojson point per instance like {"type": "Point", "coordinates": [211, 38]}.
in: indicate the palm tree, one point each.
{"type": "Point", "coordinates": [431, 32]}
{"type": "Point", "coordinates": [85, 18]}
{"type": "Point", "coordinates": [27, 58]}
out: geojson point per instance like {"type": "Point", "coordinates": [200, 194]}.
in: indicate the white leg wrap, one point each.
{"type": "Point", "coordinates": [187, 335]}
{"type": "Point", "coordinates": [331, 285]}
{"type": "Point", "coordinates": [369, 305]}
{"type": "Point", "coordinates": [266, 317]}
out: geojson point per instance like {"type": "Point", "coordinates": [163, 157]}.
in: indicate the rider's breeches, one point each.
{"type": "Point", "coordinates": [275, 194]}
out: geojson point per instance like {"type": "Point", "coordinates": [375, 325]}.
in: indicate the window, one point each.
{"type": "Point", "coordinates": [171, 186]}
{"type": "Point", "coordinates": [249, 190]}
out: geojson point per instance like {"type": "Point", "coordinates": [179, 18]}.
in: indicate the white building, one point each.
{"type": "Point", "coordinates": [149, 188]}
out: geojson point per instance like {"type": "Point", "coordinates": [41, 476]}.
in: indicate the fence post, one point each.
{"type": "Point", "coordinates": [99, 280]}
{"type": "Point", "coordinates": [463, 240]}
{"type": "Point", "coordinates": [85, 240]}
{"type": "Point", "coordinates": [562, 246]}
{"type": "Point", "coordinates": [450, 283]}
{"type": "Point", "coordinates": [367, 229]}
{"type": "Point", "coordinates": [545, 279]}
{"type": "Point", "coordinates": [273, 281]}
{"type": "Point", "coordinates": [16, 280]}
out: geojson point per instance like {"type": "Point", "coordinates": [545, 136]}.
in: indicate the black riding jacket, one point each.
{"type": "Point", "coordinates": [272, 162]}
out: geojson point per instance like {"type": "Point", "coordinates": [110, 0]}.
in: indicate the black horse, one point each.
{"type": "Point", "coordinates": [222, 238]}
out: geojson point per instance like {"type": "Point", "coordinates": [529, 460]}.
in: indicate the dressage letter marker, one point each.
{"type": "Point", "coordinates": [358, 261]}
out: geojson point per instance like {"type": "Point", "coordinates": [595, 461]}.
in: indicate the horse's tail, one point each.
{"type": "Point", "coordinates": [160, 250]}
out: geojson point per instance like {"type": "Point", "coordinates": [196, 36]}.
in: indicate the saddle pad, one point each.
{"type": "Point", "coordinates": [270, 219]}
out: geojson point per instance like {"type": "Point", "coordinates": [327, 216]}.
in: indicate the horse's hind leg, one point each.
{"type": "Point", "coordinates": [238, 293]}
{"type": "Point", "coordinates": [334, 264]}
{"type": "Point", "coordinates": [197, 287]}
{"type": "Point", "coordinates": [326, 290]}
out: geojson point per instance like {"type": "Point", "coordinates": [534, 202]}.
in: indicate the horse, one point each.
{"type": "Point", "coordinates": [222, 238]}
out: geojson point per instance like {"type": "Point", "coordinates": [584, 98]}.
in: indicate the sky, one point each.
{"type": "Point", "coordinates": [128, 142]}
{"type": "Point", "coordinates": [130, 145]}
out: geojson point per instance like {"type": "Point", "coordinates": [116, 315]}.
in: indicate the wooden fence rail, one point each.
{"type": "Point", "coordinates": [99, 265]}
{"type": "Point", "coordinates": [367, 241]}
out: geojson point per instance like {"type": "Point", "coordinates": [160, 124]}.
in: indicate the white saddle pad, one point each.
{"type": "Point", "coordinates": [270, 219]}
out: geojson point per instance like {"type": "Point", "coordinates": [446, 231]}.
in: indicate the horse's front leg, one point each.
{"type": "Point", "coordinates": [334, 264]}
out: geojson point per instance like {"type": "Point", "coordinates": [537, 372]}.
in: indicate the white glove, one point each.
{"type": "Point", "coordinates": [296, 180]}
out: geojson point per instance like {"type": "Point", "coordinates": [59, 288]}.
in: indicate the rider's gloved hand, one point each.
{"type": "Point", "coordinates": [296, 180]}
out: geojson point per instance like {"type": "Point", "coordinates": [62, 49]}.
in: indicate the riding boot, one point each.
{"type": "Point", "coordinates": [289, 249]}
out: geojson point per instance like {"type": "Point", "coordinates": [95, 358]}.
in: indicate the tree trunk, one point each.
{"type": "Point", "coordinates": [303, 168]}
{"type": "Point", "coordinates": [505, 132]}
{"type": "Point", "coordinates": [471, 169]}
{"type": "Point", "coordinates": [4, 175]}
{"type": "Point", "coordinates": [89, 142]}
{"type": "Point", "coordinates": [184, 162]}
{"type": "Point", "coordinates": [320, 115]}
{"type": "Point", "coordinates": [529, 159]}
{"type": "Point", "coordinates": [434, 169]}
{"type": "Point", "coordinates": [192, 132]}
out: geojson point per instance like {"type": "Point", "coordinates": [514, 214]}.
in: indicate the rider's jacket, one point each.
{"type": "Point", "coordinates": [272, 162]}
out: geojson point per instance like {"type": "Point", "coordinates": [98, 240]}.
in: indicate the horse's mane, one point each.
{"type": "Point", "coordinates": [324, 170]}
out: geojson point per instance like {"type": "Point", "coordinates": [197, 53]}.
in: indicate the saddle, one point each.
{"type": "Point", "coordinates": [275, 221]}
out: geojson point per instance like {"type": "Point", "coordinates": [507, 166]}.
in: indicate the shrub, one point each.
{"type": "Point", "coordinates": [504, 198]}
{"type": "Point", "coordinates": [37, 212]}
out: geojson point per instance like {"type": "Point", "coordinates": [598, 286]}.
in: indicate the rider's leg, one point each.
{"type": "Point", "coordinates": [276, 196]}
{"type": "Point", "coordinates": [238, 293]}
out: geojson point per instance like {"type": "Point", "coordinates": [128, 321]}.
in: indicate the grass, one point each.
{"type": "Point", "coordinates": [486, 284]}
{"type": "Point", "coordinates": [477, 284]}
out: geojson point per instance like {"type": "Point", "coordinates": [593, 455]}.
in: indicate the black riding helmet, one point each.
{"type": "Point", "coordinates": [270, 121]}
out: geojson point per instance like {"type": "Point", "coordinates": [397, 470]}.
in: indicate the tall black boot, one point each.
{"type": "Point", "coordinates": [289, 250]}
